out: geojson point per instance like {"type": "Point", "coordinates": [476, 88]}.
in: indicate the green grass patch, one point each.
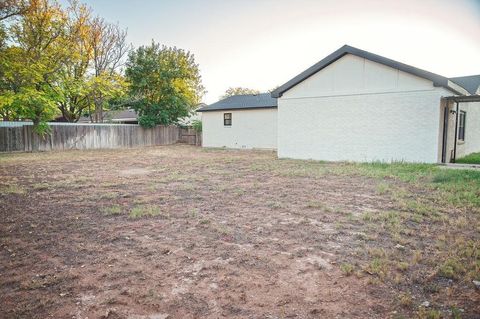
{"type": "Point", "coordinates": [473, 158]}
{"type": "Point", "coordinates": [112, 210]}
{"type": "Point", "coordinates": [457, 186]}
{"type": "Point", "coordinates": [347, 269]}
{"type": "Point", "coordinates": [144, 211]}
{"type": "Point", "coordinates": [12, 189]}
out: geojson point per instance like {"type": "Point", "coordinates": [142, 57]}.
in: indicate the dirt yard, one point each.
{"type": "Point", "coordinates": [184, 232]}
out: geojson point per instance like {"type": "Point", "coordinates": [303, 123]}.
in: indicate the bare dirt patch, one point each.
{"type": "Point", "coordinates": [183, 232]}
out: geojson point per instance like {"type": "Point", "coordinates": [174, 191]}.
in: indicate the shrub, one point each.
{"type": "Point", "coordinates": [197, 125]}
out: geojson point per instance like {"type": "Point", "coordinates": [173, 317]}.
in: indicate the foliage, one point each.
{"type": "Point", "coordinates": [64, 61]}
{"type": "Point", "coordinates": [109, 47]}
{"type": "Point", "coordinates": [165, 83]}
{"type": "Point", "coordinates": [473, 158]}
{"type": "Point", "coordinates": [12, 8]}
{"type": "Point", "coordinates": [238, 91]}
{"type": "Point", "coordinates": [57, 61]}
{"type": "Point", "coordinates": [89, 80]}
{"type": "Point", "coordinates": [197, 125]}
{"type": "Point", "coordinates": [30, 65]}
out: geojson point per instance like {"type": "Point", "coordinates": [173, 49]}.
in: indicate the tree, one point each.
{"type": "Point", "coordinates": [12, 8]}
{"type": "Point", "coordinates": [72, 84]}
{"type": "Point", "coordinates": [109, 45]}
{"type": "Point", "coordinates": [165, 83]}
{"type": "Point", "coordinates": [66, 57]}
{"type": "Point", "coordinates": [89, 79]}
{"type": "Point", "coordinates": [238, 91]}
{"type": "Point", "coordinates": [30, 67]}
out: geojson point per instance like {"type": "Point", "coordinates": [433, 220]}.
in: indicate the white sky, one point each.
{"type": "Point", "coordinates": [261, 44]}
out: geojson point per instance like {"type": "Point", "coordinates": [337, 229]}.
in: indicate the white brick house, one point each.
{"type": "Point", "coordinates": [357, 106]}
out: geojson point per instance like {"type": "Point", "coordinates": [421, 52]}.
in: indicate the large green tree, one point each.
{"type": "Point", "coordinates": [29, 67]}
{"type": "Point", "coordinates": [165, 83]}
{"type": "Point", "coordinates": [90, 79]}
{"type": "Point", "coordinates": [57, 61]}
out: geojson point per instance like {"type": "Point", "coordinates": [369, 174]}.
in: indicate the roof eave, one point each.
{"type": "Point", "coordinates": [238, 108]}
{"type": "Point", "coordinates": [437, 80]}
{"type": "Point", "coordinates": [458, 88]}
{"type": "Point", "coordinates": [124, 119]}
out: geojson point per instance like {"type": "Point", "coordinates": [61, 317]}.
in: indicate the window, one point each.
{"type": "Point", "coordinates": [227, 119]}
{"type": "Point", "coordinates": [461, 125]}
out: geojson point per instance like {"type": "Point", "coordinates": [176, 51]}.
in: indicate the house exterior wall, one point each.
{"type": "Point", "coordinates": [472, 130]}
{"type": "Point", "coordinates": [355, 75]}
{"type": "Point", "coordinates": [358, 110]}
{"type": "Point", "coordinates": [255, 128]}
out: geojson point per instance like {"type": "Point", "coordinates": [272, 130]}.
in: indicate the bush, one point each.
{"type": "Point", "coordinates": [197, 125]}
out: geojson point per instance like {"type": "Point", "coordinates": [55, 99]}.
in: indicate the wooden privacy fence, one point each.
{"type": "Point", "coordinates": [190, 136]}
{"type": "Point", "coordinates": [86, 136]}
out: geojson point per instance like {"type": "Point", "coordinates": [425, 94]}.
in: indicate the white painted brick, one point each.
{"type": "Point", "coordinates": [250, 129]}
{"type": "Point", "coordinates": [401, 126]}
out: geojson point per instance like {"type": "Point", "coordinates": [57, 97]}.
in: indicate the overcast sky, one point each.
{"type": "Point", "coordinates": [261, 44]}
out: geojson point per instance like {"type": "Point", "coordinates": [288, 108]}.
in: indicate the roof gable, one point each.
{"type": "Point", "coordinates": [437, 80]}
{"type": "Point", "coordinates": [471, 83]}
{"type": "Point", "coordinates": [242, 102]}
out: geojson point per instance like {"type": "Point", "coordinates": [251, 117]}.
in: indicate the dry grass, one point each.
{"type": "Point", "coordinates": [180, 220]}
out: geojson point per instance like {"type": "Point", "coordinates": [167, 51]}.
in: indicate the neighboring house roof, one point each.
{"type": "Point", "coordinates": [437, 80]}
{"type": "Point", "coordinates": [121, 115]}
{"type": "Point", "coordinates": [471, 83]}
{"type": "Point", "coordinates": [242, 102]}
{"type": "Point", "coordinates": [114, 116]}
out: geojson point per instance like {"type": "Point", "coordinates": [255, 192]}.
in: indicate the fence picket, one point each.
{"type": "Point", "coordinates": [85, 136]}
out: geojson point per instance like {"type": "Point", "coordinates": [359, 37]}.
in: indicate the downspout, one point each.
{"type": "Point", "coordinates": [455, 140]}
{"type": "Point", "coordinates": [445, 132]}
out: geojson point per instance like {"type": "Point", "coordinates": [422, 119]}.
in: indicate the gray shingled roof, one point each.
{"type": "Point", "coordinates": [470, 83]}
{"type": "Point", "coordinates": [437, 80]}
{"type": "Point", "coordinates": [242, 102]}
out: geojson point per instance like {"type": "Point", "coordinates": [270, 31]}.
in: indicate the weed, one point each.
{"type": "Point", "coordinates": [383, 188]}
{"type": "Point", "coordinates": [194, 213]}
{"type": "Point", "coordinates": [402, 266]}
{"type": "Point", "coordinates": [41, 186]}
{"type": "Point", "coordinates": [377, 267]}
{"type": "Point", "coordinates": [318, 205]}
{"type": "Point", "coordinates": [417, 257]}
{"type": "Point", "coordinates": [456, 313]}
{"type": "Point", "coordinates": [13, 189]}
{"type": "Point", "coordinates": [109, 195]}
{"type": "Point", "coordinates": [429, 314]}
{"type": "Point", "coordinates": [274, 204]}
{"type": "Point", "coordinates": [112, 210]}
{"type": "Point", "coordinates": [144, 211]}
{"type": "Point", "coordinates": [347, 269]}
{"type": "Point", "coordinates": [405, 300]}
{"type": "Point", "coordinates": [204, 221]}
{"type": "Point", "coordinates": [451, 268]}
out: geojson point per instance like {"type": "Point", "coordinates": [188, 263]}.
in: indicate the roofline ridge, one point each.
{"type": "Point", "coordinates": [438, 80]}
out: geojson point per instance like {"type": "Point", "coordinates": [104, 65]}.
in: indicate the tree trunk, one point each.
{"type": "Point", "coordinates": [98, 118]}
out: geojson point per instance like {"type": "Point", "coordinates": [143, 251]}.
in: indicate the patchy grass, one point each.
{"type": "Point", "coordinates": [456, 186]}
{"type": "Point", "coordinates": [347, 268]}
{"type": "Point", "coordinates": [191, 220]}
{"type": "Point", "coordinates": [112, 210]}
{"type": "Point", "coordinates": [12, 189]}
{"type": "Point", "coordinates": [144, 211]}
{"type": "Point", "coordinates": [473, 158]}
